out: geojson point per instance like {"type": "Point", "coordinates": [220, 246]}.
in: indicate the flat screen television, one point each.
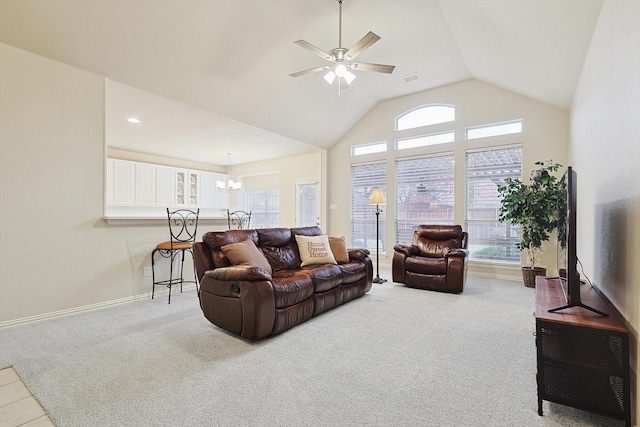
{"type": "Point", "coordinates": [568, 274]}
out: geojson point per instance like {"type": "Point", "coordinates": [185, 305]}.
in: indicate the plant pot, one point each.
{"type": "Point", "coordinates": [529, 275]}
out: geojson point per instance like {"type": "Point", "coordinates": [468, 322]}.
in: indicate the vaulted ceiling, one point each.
{"type": "Point", "coordinates": [230, 60]}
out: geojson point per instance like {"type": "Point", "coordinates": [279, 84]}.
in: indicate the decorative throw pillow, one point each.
{"type": "Point", "coordinates": [246, 253]}
{"type": "Point", "coordinates": [315, 250]}
{"type": "Point", "coordinates": [339, 249]}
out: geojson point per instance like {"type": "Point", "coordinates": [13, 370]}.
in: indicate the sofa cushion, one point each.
{"type": "Point", "coordinates": [215, 240]}
{"type": "Point", "coordinates": [425, 265]}
{"type": "Point", "coordinates": [246, 253]}
{"type": "Point", "coordinates": [436, 240]}
{"type": "Point", "coordinates": [353, 271]}
{"type": "Point", "coordinates": [291, 287]}
{"type": "Point", "coordinates": [314, 250]}
{"type": "Point", "coordinates": [339, 249]}
{"type": "Point", "coordinates": [279, 248]}
{"type": "Point", "coordinates": [325, 277]}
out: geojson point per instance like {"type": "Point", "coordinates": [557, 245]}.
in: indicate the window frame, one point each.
{"type": "Point", "coordinates": [354, 148]}
{"type": "Point", "coordinates": [493, 125]}
{"type": "Point", "coordinates": [426, 136]}
{"type": "Point", "coordinates": [271, 211]}
{"type": "Point", "coordinates": [362, 216]}
{"type": "Point", "coordinates": [420, 108]}
{"type": "Point", "coordinates": [508, 233]}
{"type": "Point", "coordinates": [412, 223]}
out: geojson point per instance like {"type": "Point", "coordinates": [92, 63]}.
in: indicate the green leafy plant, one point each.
{"type": "Point", "coordinates": [533, 206]}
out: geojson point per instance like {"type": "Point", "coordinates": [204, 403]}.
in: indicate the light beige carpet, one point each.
{"type": "Point", "coordinates": [395, 357]}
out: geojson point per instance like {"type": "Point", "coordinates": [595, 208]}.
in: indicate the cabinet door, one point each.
{"type": "Point", "coordinates": [145, 184]}
{"type": "Point", "coordinates": [193, 189]}
{"type": "Point", "coordinates": [180, 184]}
{"type": "Point", "coordinates": [165, 186]}
{"type": "Point", "coordinates": [123, 179]}
{"type": "Point", "coordinates": [110, 181]}
{"type": "Point", "coordinates": [207, 190]}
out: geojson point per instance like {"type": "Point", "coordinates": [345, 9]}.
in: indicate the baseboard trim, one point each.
{"type": "Point", "coordinates": [495, 271]}
{"type": "Point", "coordinates": [82, 309]}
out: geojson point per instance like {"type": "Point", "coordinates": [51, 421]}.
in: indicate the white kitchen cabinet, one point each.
{"type": "Point", "coordinates": [165, 186]}
{"type": "Point", "coordinates": [120, 182]}
{"type": "Point", "coordinates": [145, 184]}
{"type": "Point", "coordinates": [144, 190]}
{"type": "Point", "coordinates": [187, 188]}
{"type": "Point", "coordinates": [208, 190]}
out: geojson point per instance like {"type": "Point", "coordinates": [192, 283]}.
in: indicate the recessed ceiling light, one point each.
{"type": "Point", "coordinates": [133, 120]}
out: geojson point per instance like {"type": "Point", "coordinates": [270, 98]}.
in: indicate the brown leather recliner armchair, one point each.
{"type": "Point", "coordinates": [436, 259]}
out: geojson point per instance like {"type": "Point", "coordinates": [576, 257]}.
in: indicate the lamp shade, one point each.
{"type": "Point", "coordinates": [377, 197]}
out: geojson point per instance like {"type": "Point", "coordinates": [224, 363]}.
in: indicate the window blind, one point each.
{"type": "Point", "coordinates": [424, 193]}
{"type": "Point", "coordinates": [364, 178]}
{"type": "Point", "coordinates": [490, 240]}
{"type": "Point", "coordinates": [264, 205]}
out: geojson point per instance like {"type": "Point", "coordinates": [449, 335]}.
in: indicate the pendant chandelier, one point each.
{"type": "Point", "coordinates": [230, 184]}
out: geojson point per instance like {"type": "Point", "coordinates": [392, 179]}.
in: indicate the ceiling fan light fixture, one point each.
{"type": "Point", "coordinates": [349, 77]}
{"type": "Point", "coordinates": [341, 58]}
{"type": "Point", "coordinates": [340, 69]}
{"type": "Point", "coordinates": [330, 77]}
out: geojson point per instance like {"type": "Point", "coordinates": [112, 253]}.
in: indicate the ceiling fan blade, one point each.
{"type": "Point", "coordinates": [378, 68]}
{"type": "Point", "coordinates": [362, 44]}
{"type": "Point", "coordinates": [321, 53]}
{"type": "Point", "coordinates": [309, 71]}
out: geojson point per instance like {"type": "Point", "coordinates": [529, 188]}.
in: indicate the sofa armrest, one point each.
{"type": "Point", "coordinates": [243, 307]}
{"type": "Point", "coordinates": [457, 262]}
{"type": "Point", "coordinates": [407, 250]}
{"type": "Point", "coordinates": [236, 273]}
{"type": "Point", "coordinates": [358, 254]}
{"type": "Point", "coordinates": [456, 253]}
{"type": "Point", "coordinates": [202, 259]}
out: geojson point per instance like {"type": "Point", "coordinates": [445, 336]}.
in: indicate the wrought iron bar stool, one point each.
{"type": "Point", "coordinates": [238, 220]}
{"type": "Point", "coordinates": [183, 224]}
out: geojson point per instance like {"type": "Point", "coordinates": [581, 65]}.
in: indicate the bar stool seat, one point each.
{"type": "Point", "coordinates": [167, 246]}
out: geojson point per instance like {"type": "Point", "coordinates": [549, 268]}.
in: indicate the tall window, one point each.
{"type": "Point", "coordinates": [424, 193]}
{"type": "Point", "coordinates": [490, 240]}
{"type": "Point", "coordinates": [364, 178]}
{"type": "Point", "coordinates": [264, 206]}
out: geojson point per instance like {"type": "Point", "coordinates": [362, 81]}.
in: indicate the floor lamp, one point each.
{"type": "Point", "coordinates": [377, 198]}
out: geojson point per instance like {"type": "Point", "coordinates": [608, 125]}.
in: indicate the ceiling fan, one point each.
{"type": "Point", "coordinates": [342, 58]}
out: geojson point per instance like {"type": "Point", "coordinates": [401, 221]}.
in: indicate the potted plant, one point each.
{"type": "Point", "coordinates": [533, 206]}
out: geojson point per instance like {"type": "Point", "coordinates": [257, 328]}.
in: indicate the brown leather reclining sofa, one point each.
{"type": "Point", "coordinates": [250, 302]}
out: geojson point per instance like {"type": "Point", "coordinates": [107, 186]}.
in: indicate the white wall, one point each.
{"type": "Point", "coordinates": [605, 148]}
{"type": "Point", "coordinates": [58, 255]}
{"type": "Point", "coordinates": [545, 136]}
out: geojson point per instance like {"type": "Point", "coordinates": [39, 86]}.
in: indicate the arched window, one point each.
{"type": "Point", "coordinates": [426, 115]}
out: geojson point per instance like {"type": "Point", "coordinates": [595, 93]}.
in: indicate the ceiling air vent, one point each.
{"type": "Point", "coordinates": [410, 78]}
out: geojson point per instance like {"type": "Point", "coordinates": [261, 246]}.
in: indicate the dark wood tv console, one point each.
{"type": "Point", "coordinates": [583, 358]}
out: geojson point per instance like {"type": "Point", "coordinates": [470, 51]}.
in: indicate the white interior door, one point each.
{"type": "Point", "coordinates": [307, 203]}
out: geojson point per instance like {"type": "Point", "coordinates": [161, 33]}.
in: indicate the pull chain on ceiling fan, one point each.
{"type": "Point", "coordinates": [342, 58]}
